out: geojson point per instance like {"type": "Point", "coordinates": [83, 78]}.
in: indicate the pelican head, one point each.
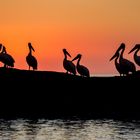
{"type": "Point", "coordinates": [30, 46]}
{"type": "Point", "coordinates": [122, 46]}
{"type": "Point", "coordinates": [66, 53]}
{"type": "Point", "coordinates": [137, 47]}
{"type": "Point", "coordinates": [77, 57]}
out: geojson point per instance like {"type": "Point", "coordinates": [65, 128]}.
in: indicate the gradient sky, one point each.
{"type": "Point", "coordinates": [94, 28]}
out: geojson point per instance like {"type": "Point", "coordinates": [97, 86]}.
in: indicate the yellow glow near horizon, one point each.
{"type": "Point", "coordinates": [94, 28]}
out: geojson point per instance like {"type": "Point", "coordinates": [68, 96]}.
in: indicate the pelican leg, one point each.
{"type": "Point", "coordinates": [29, 67]}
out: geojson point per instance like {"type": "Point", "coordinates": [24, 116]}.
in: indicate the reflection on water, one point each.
{"type": "Point", "coordinates": [69, 130]}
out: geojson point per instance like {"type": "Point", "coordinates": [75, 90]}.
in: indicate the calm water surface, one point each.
{"type": "Point", "coordinates": [69, 130]}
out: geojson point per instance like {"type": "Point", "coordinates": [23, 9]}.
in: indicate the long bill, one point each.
{"type": "Point", "coordinates": [75, 58]}
{"type": "Point", "coordinates": [114, 56]}
{"type": "Point", "coordinates": [32, 48]}
{"type": "Point", "coordinates": [68, 54]}
{"type": "Point", "coordinates": [136, 47]}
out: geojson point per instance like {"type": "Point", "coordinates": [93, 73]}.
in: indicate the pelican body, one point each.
{"type": "Point", "coordinates": [125, 66]}
{"type": "Point", "coordinates": [136, 57]}
{"type": "Point", "coordinates": [82, 70]}
{"type": "Point", "coordinates": [117, 64]}
{"type": "Point", "coordinates": [30, 59]}
{"type": "Point", "coordinates": [6, 58]}
{"type": "Point", "coordinates": [67, 64]}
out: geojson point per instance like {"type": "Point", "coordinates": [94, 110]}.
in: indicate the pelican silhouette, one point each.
{"type": "Point", "coordinates": [67, 64]}
{"type": "Point", "coordinates": [125, 65]}
{"type": "Point", "coordinates": [117, 64]}
{"type": "Point", "coordinates": [6, 58]}
{"type": "Point", "coordinates": [82, 70]}
{"type": "Point", "coordinates": [136, 57]}
{"type": "Point", "coordinates": [30, 59]}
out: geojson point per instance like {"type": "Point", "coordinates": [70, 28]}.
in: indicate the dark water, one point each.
{"type": "Point", "coordinates": [69, 130]}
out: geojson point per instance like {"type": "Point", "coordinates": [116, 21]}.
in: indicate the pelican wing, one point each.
{"type": "Point", "coordinates": [137, 60]}
{"type": "Point", "coordinates": [82, 70]}
{"type": "Point", "coordinates": [69, 66]}
{"type": "Point", "coordinates": [7, 59]}
{"type": "Point", "coordinates": [32, 61]}
{"type": "Point", "coordinates": [128, 65]}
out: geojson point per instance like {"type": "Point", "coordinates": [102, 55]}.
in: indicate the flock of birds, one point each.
{"type": "Point", "coordinates": [123, 66]}
{"type": "Point", "coordinates": [9, 61]}
{"type": "Point", "coordinates": [68, 65]}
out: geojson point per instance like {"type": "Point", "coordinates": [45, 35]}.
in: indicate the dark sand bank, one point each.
{"type": "Point", "coordinates": [37, 94]}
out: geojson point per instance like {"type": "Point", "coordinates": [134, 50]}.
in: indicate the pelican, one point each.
{"type": "Point", "coordinates": [67, 64]}
{"type": "Point", "coordinates": [6, 58]}
{"type": "Point", "coordinates": [117, 64]}
{"type": "Point", "coordinates": [136, 57]}
{"type": "Point", "coordinates": [30, 59]}
{"type": "Point", "coordinates": [82, 70]}
{"type": "Point", "coordinates": [125, 65]}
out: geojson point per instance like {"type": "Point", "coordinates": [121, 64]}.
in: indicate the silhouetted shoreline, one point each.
{"type": "Point", "coordinates": [43, 94]}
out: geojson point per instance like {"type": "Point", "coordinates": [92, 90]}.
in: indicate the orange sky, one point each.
{"type": "Point", "coordinates": [94, 28]}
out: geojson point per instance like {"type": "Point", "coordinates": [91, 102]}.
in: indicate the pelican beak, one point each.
{"type": "Point", "coordinates": [68, 54]}
{"type": "Point", "coordinates": [32, 48]}
{"type": "Point", "coordinates": [136, 47]}
{"type": "Point", "coordinates": [114, 56]}
{"type": "Point", "coordinates": [122, 46]}
{"type": "Point", "coordinates": [75, 58]}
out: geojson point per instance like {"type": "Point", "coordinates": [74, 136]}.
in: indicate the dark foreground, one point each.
{"type": "Point", "coordinates": [58, 95]}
